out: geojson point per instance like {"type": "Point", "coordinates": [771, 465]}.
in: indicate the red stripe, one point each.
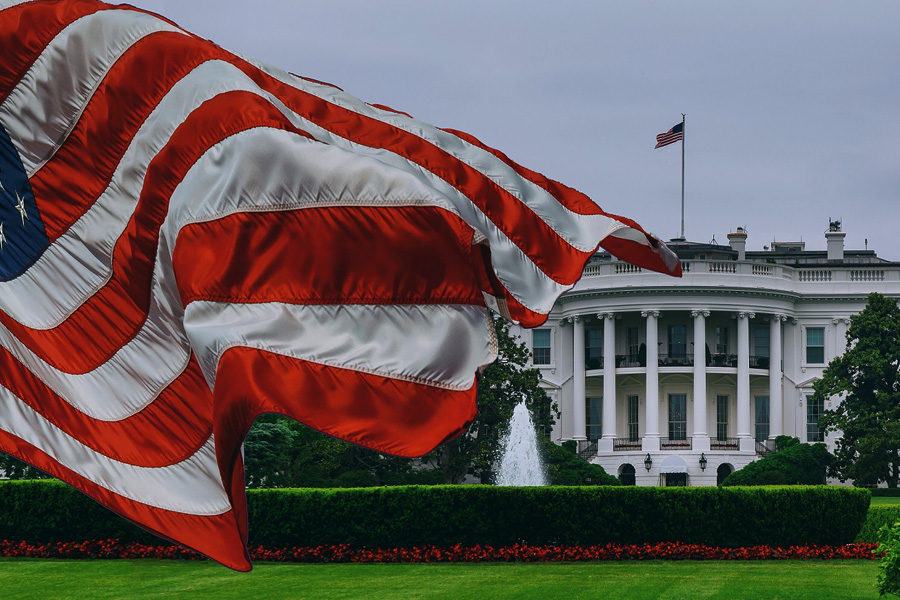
{"type": "Point", "coordinates": [114, 314]}
{"type": "Point", "coordinates": [67, 186]}
{"type": "Point", "coordinates": [170, 429]}
{"type": "Point", "coordinates": [388, 415]}
{"type": "Point", "coordinates": [331, 255]}
{"type": "Point", "coordinates": [26, 29]}
{"type": "Point", "coordinates": [218, 537]}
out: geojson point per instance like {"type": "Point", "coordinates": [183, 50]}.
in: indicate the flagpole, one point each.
{"type": "Point", "coordinates": [682, 174]}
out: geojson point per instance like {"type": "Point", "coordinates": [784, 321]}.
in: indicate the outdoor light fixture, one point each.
{"type": "Point", "coordinates": [648, 462]}
{"type": "Point", "coordinates": [703, 461]}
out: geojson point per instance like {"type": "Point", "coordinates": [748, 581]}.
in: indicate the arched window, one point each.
{"type": "Point", "coordinates": [722, 472]}
{"type": "Point", "coordinates": [626, 474]}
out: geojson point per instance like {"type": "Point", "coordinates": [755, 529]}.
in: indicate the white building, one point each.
{"type": "Point", "coordinates": [703, 371]}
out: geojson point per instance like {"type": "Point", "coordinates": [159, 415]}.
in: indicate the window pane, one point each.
{"type": "Point", "coordinates": [633, 412]}
{"type": "Point", "coordinates": [762, 418]}
{"type": "Point", "coordinates": [677, 416]}
{"type": "Point", "coordinates": [815, 336]}
{"type": "Point", "coordinates": [814, 410]}
{"type": "Point", "coordinates": [593, 408]}
{"type": "Point", "coordinates": [815, 355]}
{"type": "Point", "coordinates": [761, 342]}
{"type": "Point", "coordinates": [677, 341]}
{"type": "Point", "coordinates": [540, 343]}
{"type": "Point", "coordinates": [721, 418]}
{"type": "Point", "coordinates": [593, 348]}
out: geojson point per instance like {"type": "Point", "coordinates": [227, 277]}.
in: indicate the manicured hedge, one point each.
{"type": "Point", "coordinates": [885, 492]}
{"type": "Point", "coordinates": [878, 516]}
{"type": "Point", "coordinates": [443, 516]}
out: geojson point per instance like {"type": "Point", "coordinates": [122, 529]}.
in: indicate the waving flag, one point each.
{"type": "Point", "coordinates": [676, 134]}
{"type": "Point", "coordinates": [189, 239]}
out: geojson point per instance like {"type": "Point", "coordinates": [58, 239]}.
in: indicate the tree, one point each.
{"type": "Point", "coordinates": [565, 467]}
{"type": "Point", "coordinates": [867, 375]}
{"type": "Point", "coordinates": [502, 385]}
{"type": "Point", "coordinates": [13, 468]}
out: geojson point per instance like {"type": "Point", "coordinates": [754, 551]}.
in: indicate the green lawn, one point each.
{"type": "Point", "coordinates": [632, 580]}
{"type": "Point", "coordinates": [885, 500]}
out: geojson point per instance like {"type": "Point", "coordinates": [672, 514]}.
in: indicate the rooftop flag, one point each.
{"type": "Point", "coordinates": [191, 239]}
{"type": "Point", "coordinates": [671, 136]}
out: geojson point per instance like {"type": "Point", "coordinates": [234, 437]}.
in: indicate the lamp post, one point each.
{"type": "Point", "coordinates": [648, 462]}
{"type": "Point", "coordinates": [703, 461]}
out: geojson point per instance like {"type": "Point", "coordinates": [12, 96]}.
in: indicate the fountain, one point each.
{"type": "Point", "coordinates": [520, 460]}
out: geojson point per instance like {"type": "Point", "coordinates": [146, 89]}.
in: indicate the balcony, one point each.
{"type": "Point", "coordinates": [675, 444]}
{"type": "Point", "coordinates": [626, 445]}
{"type": "Point", "coordinates": [678, 359]}
{"type": "Point", "coordinates": [728, 443]}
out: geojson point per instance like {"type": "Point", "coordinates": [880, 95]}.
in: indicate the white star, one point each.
{"type": "Point", "coordinates": [2, 237]}
{"type": "Point", "coordinates": [20, 206]}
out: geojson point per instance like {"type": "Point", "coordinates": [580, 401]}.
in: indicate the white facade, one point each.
{"type": "Point", "coordinates": [712, 366]}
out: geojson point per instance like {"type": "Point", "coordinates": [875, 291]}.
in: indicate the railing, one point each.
{"type": "Point", "coordinates": [729, 443]}
{"type": "Point", "coordinates": [762, 270]}
{"type": "Point", "coordinates": [593, 363]}
{"type": "Point", "coordinates": [625, 445]}
{"type": "Point", "coordinates": [867, 275]}
{"type": "Point", "coordinates": [759, 362]}
{"type": "Point", "coordinates": [675, 360]}
{"type": "Point", "coordinates": [622, 267]}
{"type": "Point", "coordinates": [587, 449]}
{"type": "Point", "coordinates": [814, 275]}
{"type": "Point", "coordinates": [722, 267]}
{"type": "Point", "coordinates": [674, 444]}
{"type": "Point", "coordinates": [723, 360]}
{"type": "Point", "coordinates": [765, 448]}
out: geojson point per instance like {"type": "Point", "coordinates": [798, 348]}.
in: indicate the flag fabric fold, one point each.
{"type": "Point", "coordinates": [671, 136]}
{"type": "Point", "coordinates": [189, 239]}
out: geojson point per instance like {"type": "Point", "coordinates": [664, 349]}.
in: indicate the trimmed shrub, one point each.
{"type": "Point", "coordinates": [444, 516]}
{"type": "Point", "coordinates": [885, 492]}
{"type": "Point", "coordinates": [888, 579]}
{"type": "Point", "coordinates": [564, 467]}
{"type": "Point", "coordinates": [796, 464]}
{"type": "Point", "coordinates": [877, 517]}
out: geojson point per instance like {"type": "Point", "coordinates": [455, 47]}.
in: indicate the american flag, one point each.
{"type": "Point", "coordinates": [189, 239]}
{"type": "Point", "coordinates": [670, 137]}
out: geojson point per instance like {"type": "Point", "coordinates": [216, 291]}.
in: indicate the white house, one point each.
{"type": "Point", "coordinates": [667, 381]}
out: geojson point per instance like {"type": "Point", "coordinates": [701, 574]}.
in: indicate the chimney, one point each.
{"type": "Point", "coordinates": [738, 241]}
{"type": "Point", "coordinates": [835, 239]}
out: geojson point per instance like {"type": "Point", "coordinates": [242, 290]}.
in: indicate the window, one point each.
{"type": "Point", "coordinates": [626, 474]}
{"type": "Point", "coordinates": [721, 418]}
{"type": "Point", "coordinates": [633, 412]}
{"type": "Point", "coordinates": [540, 346]}
{"type": "Point", "coordinates": [634, 345]}
{"type": "Point", "coordinates": [593, 408]}
{"type": "Point", "coordinates": [593, 349]}
{"type": "Point", "coordinates": [815, 345]}
{"type": "Point", "coordinates": [761, 342]}
{"type": "Point", "coordinates": [721, 340]}
{"type": "Point", "coordinates": [677, 416]}
{"type": "Point", "coordinates": [762, 418]}
{"type": "Point", "coordinates": [677, 341]}
{"type": "Point", "coordinates": [814, 410]}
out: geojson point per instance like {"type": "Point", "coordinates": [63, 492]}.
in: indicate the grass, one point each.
{"type": "Point", "coordinates": [881, 500]}
{"type": "Point", "coordinates": [632, 580]}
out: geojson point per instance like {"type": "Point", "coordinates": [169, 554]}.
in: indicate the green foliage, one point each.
{"type": "Point", "coordinates": [446, 515]}
{"type": "Point", "coordinates": [782, 442]}
{"type": "Point", "coordinates": [501, 387]}
{"type": "Point", "coordinates": [797, 464]}
{"type": "Point", "coordinates": [876, 518]}
{"type": "Point", "coordinates": [868, 416]}
{"type": "Point", "coordinates": [564, 467]}
{"type": "Point", "coordinates": [888, 579]}
{"type": "Point", "coordinates": [13, 468]}
{"type": "Point", "coordinates": [885, 492]}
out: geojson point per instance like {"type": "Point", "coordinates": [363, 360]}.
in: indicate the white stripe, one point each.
{"type": "Point", "coordinates": [577, 230]}
{"type": "Point", "coordinates": [192, 486]}
{"type": "Point", "coordinates": [45, 105]}
{"type": "Point", "coordinates": [401, 342]}
{"type": "Point", "coordinates": [79, 262]}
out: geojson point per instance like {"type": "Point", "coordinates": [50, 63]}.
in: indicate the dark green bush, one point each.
{"type": "Point", "coordinates": [497, 516]}
{"type": "Point", "coordinates": [888, 579]}
{"type": "Point", "coordinates": [564, 467]}
{"type": "Point", "coordinates": [885, 492]}
{"type": "Point", "coordinates": [878, 516]}
{"type": "Point", "coordinates": [796, 464]}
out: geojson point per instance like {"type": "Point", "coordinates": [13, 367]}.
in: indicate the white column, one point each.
{"type": "Point", "coordinates": [651, 427]}
{"type": "Point", "coordinates": [609, 381]}
{"type": "Point", "coordinates": [578, 414]}
{"type": "Point", "coordinates": [700, 436]}
{"type": "Point", "coordinates": [743, 382]}
{"type": "Point", "coordinates": [776, 403]}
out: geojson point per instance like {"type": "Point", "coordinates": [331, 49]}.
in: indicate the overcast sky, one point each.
{"type": "Point", "coordinates": [793, 108]}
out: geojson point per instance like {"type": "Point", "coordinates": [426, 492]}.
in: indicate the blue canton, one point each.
{"type": "Point", "coordinates": [22, 235]}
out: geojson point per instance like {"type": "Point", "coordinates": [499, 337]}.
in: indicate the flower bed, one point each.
{"type": "Point", "coordinates": [109, 549]}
